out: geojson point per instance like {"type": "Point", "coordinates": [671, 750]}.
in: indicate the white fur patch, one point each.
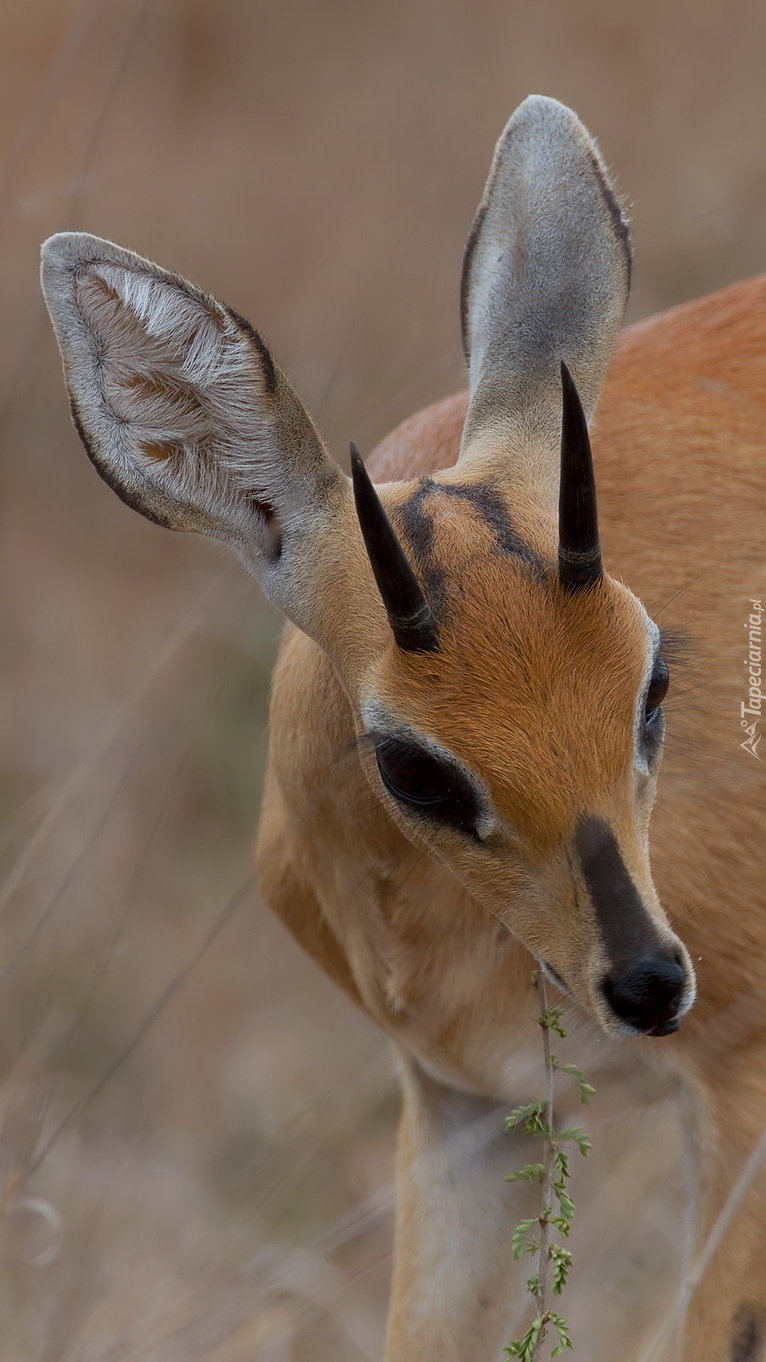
{"type": "Point", "coordinates": [638, 740]}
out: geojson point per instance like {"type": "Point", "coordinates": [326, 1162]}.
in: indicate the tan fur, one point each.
{"type": "Point", "coordinates": [536, 694]}
{"type": "Point", "coordinates": [679, 448]}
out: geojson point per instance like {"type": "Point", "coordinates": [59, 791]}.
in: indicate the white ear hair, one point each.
{"type": "Point", "coordinates": [545, 277]}
{"type": "Point", "coordinates": [182, 409]}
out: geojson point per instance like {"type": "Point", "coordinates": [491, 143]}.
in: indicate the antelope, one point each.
{"type": "Point", "coordinates": [467, 719]}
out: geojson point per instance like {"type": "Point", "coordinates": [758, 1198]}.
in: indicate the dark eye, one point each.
{"type": "Point", "coordinates": [416, 779]}
{"type": "Point", "coordinates": [658, 689]}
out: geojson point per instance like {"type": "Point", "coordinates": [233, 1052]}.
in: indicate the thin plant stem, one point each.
{"type": "Point", "coordinates": [549, 1153]}
{"type": "Point", "coordinates": [554, 1260]}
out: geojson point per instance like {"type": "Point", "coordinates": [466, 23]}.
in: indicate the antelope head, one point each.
{"type": "Point", "coordinates": [509, 690]}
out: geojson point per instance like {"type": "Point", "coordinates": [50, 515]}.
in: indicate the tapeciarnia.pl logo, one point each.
{"type": "Point", "coordinates": [750, 711]}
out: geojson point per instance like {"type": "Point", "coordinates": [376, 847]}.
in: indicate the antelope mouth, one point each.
{"type": "Point", "coordinates": [665, 1028]}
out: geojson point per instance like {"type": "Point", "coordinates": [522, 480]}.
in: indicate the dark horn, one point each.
{"type": "Point", "coordinates": [579, 547]}
{"type": "Point", "coordinates": [409, 613]}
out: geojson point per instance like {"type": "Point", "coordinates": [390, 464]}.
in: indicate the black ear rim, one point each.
{"type": "Point", "coordinates": [579, 545]}
{"type": "Point", "coordinates": [408, 611]}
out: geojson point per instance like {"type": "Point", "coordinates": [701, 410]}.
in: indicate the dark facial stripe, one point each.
{"type": "Point", "coordinates": [417, 524]}
{"type": "Point", "coordinates": [491, 507]}
{"type": "Point", "coordinates": [625, 925]}
{"type": "Point", "coordinates": [418, 527]}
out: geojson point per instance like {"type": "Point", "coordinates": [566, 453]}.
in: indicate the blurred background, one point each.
{"type": "Point", "coordinates": [196, 1128]}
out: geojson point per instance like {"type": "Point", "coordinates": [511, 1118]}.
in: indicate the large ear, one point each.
{"type": "Point", "coordinates": [545, 279]}
{"type": "Point", "coordinates": [185, 414]}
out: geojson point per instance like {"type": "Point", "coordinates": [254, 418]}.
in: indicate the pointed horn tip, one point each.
{"type": "Point", "coordinates": [567, 382]}
{"type": "Point", "coordinates": [573, 412]}
{"type": "Point", "coordinates": [360, 478]}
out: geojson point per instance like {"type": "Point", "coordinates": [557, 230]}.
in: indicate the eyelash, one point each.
{"type": "Point", "coordinates": [657, 689]}
{"type": "Point", "coordinates": [425, 785]}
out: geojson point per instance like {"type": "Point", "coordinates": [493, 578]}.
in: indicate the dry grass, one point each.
{"type": "Point", "coordinates": [196, 1128]}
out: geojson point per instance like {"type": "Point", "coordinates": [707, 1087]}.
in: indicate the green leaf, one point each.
{"type": "Point", "coordinates": [535, 1284]}
{"type": "Point", "coordinates": [524, 1348]}
{"type": "Point", "coordinates": [577, 1136]}
{"type": "Point", "coordinates": [562, 1261]}
{"type": "Point", "coordinates": [520, 1114]}
{"type": "Point", "coordinates": [531, 1172]}
{"type": "Point", "coordinates": [519, 1235]}
{"type": "Point", "coordinates": [565, 1201]}
{"type": "Point", "coordinates": [531, 1116]}
{"type": "Point", "coordinates": [562, 1329]}
{"type": "Point", "coordinates": [586, 1089]}
{"type": "Point", "coordinates": [550, 1020]}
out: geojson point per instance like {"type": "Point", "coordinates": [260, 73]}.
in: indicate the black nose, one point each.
{"type": "Point", "coordinates": [648, 994]}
